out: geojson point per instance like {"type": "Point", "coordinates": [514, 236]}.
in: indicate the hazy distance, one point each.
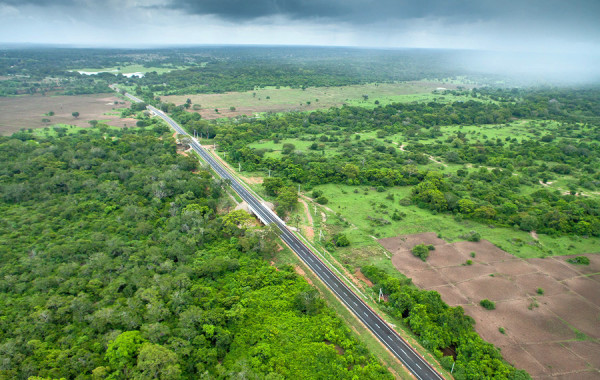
{"type": "Point", "coordinates": [550, 38]}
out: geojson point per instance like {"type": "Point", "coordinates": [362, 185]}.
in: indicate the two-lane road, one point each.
{"type": "Point", "coordinates": [421, 369]}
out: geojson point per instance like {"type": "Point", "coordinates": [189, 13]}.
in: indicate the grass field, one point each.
{"type": "Point", "coordinates": [128, 69]}
{"type": "Point", "coordinates": [272, 99]}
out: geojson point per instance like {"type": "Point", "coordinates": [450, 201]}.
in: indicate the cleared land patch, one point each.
{"type": "Point", "coordinates": [272, 99]}
{"type": "Point", "coordinates": [550, 334]}
{"type": "Point", "coordinates": [28, 111]}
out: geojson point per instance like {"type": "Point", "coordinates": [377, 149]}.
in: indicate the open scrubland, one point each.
{"type": "Point", "coordinates": [36, 111]}
{"type": "Point", "coordinates": [272, 99]}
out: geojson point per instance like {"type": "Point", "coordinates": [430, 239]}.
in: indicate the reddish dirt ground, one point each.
{"type": "Point", "coordinates": [554, 335]}
{"type": "Point", "coordinates": [28, 111]}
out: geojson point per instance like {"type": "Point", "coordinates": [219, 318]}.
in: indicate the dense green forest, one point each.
{"type": "Point", "coordinates": [443, 328]}
{"type": "Point", "coordinates": [488, 187]}
{"type": "Point", "coordinates": [119, 261]}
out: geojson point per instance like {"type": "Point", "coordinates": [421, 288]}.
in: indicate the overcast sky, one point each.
{"type": "Point", "coordinates": [515, 25]}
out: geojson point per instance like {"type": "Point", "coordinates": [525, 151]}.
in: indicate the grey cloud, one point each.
{"type": "Point", "coordinates": [335, 10]}
{"type": "Point", "coordinates": [40, 3]}
{"type": "Point", "coordinates": [369, 11]}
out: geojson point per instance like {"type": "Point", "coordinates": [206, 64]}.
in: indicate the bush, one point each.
{"type": "Point", "coordinates": [398, 215]}
{"type": "Point", "coordinates": [471, 236]}
{"type": "Point", "coordinates": [501, 329]}
{"type": "Point", "coordinates": [469, 262]}
{"type": "Point", "coordinates": [421, 251]}
{"type": "Point", "coordinates": [487, 304]}
{"type": "Point", "coordinates": [341, 240]}
{"type": "Point", "coordinates": [579, 260]}
{"type": "Point", "coordinates": [322, 200]}
{"type": "Point", "coordinates": [540, 291]}
{"type": "Point", "coordinates": [317, 193]}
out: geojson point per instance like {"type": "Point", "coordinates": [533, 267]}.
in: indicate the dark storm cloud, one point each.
{"type": "Point", "coordinates": [369, 11]}
{"type": "Point", "coordinates": [340, 10]}
{"type": "Point", "coordinates": [39, 3]}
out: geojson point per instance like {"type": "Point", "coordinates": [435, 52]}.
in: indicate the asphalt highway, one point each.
{"type": "Point", "coordinates": [420, 368]}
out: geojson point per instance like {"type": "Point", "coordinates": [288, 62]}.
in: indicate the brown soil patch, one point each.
{"type": "Point", "coordinates": [466, 272]}
{"type": "Point", "coordinates": [28, 111]}
{"type": "Point", "coordinates": [513, 267]}
{"type": "Point", "coordinates": [585, 287]}
{"type": "Point", "coordinates": [485, 252]}
{"type": "Point", "coordinates": [556, 358]}
{"type": "Point", "coordinates": [407, 263]}
{"type": "Point", "coordinates": [255, 180]}
{"type": "Point", "coordinates": [451, 295]}
{"type": "Point", "coordinates": [429, 278]}
{"type": "Point", "coordinates": [540, 330]}
{"type": "Point", "coordinates": [589, 351]}
{"type": "Point", "coordinates": [588, 375]}
{"type": "Point", "coordinates": [531, 282]}
{"type": "Point", "coordinates": [521, 324]}
{"type": "Point", "coordinates": [558, 270]}
{"type": "Point", "coordinates": [358, 274]}
{"type": "Point", "coordinates": [522, 359]}
{"type": "Point", "coordinates": [493, 288]}
{"type": "Point", "coordinates": [446, 255]}
{"type": "Point", "coordinates": [580, 314]}
{"type": "Point", "coordinates": [302, 273]}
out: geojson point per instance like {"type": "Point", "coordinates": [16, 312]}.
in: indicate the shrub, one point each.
{"type": "Point", "coordinates": [487, 304]}
{"type": "Point", "coordinates": [471, 236]}
{"type": "Point", "coordinates": [579, 260]}
{"type": "Point", "coordinates": [540, 291]}
{"type": "Point", "coordinates": [398, 215]}
{"type": "Point", "coordinates": [501, 329]}
{"type": "Point", "coordinates": [316, 193]}
{"type": "Point", "coordinates": [341, 240]}
{"type": "Point", "coordinates": [469, 262]}
{"type": "Point", "coordinates": [322, 200]}
{"type": "Point", "coordinates": [421, 251]}
{"type": "Point", "coordinates": [472, 254]}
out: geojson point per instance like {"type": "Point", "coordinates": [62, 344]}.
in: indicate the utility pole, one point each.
{"type": "Point", "coordinates": [320, 234]}
{"type": "Point", "coordinates": [239, 166]}
{"type": "Point", "coordinates": [269, 173]}
{"type": "Point", "coordinates": [298, 188]}
{"type": "Point", "coordinates": [452, 370]}
{"type": "Point", "coordinates": [380, 295]}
